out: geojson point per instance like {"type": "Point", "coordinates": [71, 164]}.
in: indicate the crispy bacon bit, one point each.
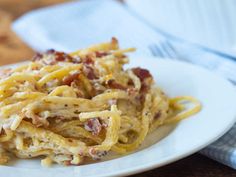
{"type": "Point", "coordinates": [88, 60]}
{"type": "Point", "coordinates": [145, 78]}
{"type": "Point", "coordinates": [113, 84]}
{"type": "Point", "coordinates": [93, 125]}
{"type": "Point", "coordinates": [130, 82]}
{"type": "Point", "coordinates": [101, 54]}
{"type": "Point", "coordinates": [89, 72]}
{"type": "Point", "coordinates": [59, 56]}
{"type": "Point", "coordinates": [69, 79]}
{"type": "Point", "coordinates": [144, 88]}
{"type": "Point", "coordinates": [142, 74]}
{"type": "Point", "coordinates": [55, 56]}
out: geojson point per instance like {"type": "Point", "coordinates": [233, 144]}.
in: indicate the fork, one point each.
{"type": "Point", "coordinates": [166, 50]}
{"type": "Point", "coordinates": [163, 49]}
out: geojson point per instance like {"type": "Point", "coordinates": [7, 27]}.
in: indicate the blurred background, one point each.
{"type": "Point", "coordinates": [12, 48]}
{"type": "Point", "coordinates": [206, 22]}
{"type": "Point", "coordinates": [209, 23]}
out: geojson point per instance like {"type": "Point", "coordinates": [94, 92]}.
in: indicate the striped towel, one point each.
{"type": "Point", "coordinates": [77, 24]}
{"type": "Point", "coordinates": [224, 149]}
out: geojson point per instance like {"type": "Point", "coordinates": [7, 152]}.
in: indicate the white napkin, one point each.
{"type": "Point", "coordinates": [74, 25]}
{"type": "Point", "coordinates": [78, 24]}
{"type": "Point", "coordinates": [207, 22]}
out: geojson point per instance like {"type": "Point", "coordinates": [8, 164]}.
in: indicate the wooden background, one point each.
{"type": "Point", "coordinates": [12, 49]}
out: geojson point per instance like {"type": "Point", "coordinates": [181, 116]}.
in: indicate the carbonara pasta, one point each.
{"type": "Point", "coordinates": [72, 107]}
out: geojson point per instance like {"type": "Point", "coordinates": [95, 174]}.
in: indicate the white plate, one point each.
{"type": "Point", "coordinates": [218, 98]}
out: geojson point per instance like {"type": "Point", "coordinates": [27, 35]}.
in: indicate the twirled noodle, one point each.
{"type": "Point", "coordinates": [84, 105]}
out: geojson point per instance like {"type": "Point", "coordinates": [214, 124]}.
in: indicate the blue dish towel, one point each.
{"type": "Point", "coordinates": [74, 25]}
{"type": "Point", "coordinates": [224, 149]}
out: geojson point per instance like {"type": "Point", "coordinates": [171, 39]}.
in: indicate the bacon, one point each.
{"type": "Point", "coordinates": [101, 54]}
{"type": "Point", "coordinates": [144, 88]}
{"type": "Point", "coordinates": [141, 73]}
{"type": "Point", "coordinates": [71, 78]}
{"type": "Point", "coordinates": [89, 72]}
{"type": "Point", "coordinates": [59, 56]}
{"type": "Point", "coordinates": [145, 78]}
{"type": "Point", "coordinates": [88, 60]}
{"type": "Point", "coordinates": [93, 125]}
{"type": "Point", "coordinates": [113, 84]}
{"type": "Point", "coordinates": [55, 56]}
{"type": "Point", "coordinates": [130, 82]}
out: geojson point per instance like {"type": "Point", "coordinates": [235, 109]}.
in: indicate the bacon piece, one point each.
{"type": "Point", "coordinates": [101, 54]}
{"type": "Point", "coordinates": [144, 88]}
{"type": "Point", "coordinates": [113, 84]}
{"type": "Point", "coordinates": [141, 73]}
{"type": "Point", "coordinates": [93, 125]}
{"type": "Point", "coordinates": [59, 56]}
{"type": "Point", "coordinates": [55, 56]}
{"type": "Point", "coordinates": [145, 78]}
{"type": "Point", "coordinates": [89, 72]}
{"type": "Point", "coordinates": [88, 60]}
{"type": "Point", "coordinates": [69, 79]}
{"type": "Point", "coordinates": [130, 82]}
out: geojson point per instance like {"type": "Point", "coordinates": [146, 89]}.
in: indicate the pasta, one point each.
{"type": "Point", "coordinates": [70, 108]}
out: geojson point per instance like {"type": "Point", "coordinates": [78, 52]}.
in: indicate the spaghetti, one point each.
{"type": "Point", "coordinates": [84, 105]}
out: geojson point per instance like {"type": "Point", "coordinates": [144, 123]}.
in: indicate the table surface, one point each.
{"type": "Point", "coordinates": [12, 49]}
